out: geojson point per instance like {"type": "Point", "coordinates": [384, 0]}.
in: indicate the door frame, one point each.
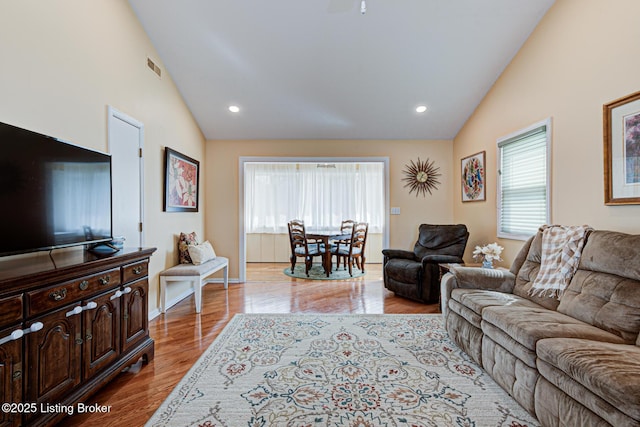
{"type": "Point", "coordinates": [113, 114]}
{"type": "Point", "coordinates": [242, 238]}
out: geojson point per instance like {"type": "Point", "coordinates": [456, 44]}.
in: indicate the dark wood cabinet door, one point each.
{"type": "Point", "coordinates": [101, 332]}
{"type": "Point", "coordinates": [53, 355]}
{"type": "Point", "coordinates": [10, 377]}
{"type": "Point", "coordinates": [82, 337]}
{"type": "Point", "coordinates": [135, 320]}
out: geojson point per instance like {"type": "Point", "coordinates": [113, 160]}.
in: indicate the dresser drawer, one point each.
{"type": "Point", "coordinates": [135, 271]}
{"type": "Point", "coordinates": [84, 287]}
{"type": "Point", "coordinates": [10, 310]}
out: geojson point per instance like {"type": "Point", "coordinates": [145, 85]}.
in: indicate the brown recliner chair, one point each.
{"type": "Point", "coordinates": [416, 275]}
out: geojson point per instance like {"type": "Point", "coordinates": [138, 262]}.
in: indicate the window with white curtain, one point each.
{"type": "Point", "coordinates": [523, 181]}
{"type": "Point", "coordinates": [320, 194]}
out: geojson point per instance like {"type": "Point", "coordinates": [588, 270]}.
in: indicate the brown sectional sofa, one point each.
{"type": "Point", "coordinates": [573, 362]}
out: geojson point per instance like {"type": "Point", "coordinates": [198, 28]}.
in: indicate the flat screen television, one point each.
{"type": "Point", "coordinates": [53, 194]}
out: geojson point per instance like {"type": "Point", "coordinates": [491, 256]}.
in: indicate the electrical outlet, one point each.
{"type": "Point", "coordinates": [395, 211]}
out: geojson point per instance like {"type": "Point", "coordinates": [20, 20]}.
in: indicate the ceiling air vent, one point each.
{"type": "Point", "coordinates": [154, 67]}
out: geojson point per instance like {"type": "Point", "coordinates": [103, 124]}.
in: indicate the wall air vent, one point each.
{"type": "Point", "coordinates": [154, 67]}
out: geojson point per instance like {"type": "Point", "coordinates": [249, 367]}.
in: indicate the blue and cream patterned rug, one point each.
{"type": "Point", "coordinates": [316, 272]}
{"type": "Point", "coordinates": [337, 370]}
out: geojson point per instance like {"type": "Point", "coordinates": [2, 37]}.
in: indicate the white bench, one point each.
{"type": "Point", "coordinates": [195, 274]}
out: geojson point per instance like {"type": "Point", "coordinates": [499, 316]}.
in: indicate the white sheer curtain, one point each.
{"type": "Point", "coordinates": [320, 194]}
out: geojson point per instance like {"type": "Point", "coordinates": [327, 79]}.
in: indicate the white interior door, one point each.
{"type": "Point", "coordinates": [126, 137]}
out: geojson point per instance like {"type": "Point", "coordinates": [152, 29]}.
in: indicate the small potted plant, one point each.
{"type": "Point", "coordinates": [488, 253]}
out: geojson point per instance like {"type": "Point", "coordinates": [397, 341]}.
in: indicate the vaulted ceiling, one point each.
{"type": "Point", "coordinates": [320, 69]}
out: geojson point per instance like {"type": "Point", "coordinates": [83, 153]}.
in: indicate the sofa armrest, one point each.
{"type": "Point", "coordinates": [498, 279]}
{"type": "Point", "coordinates": [398, 253]}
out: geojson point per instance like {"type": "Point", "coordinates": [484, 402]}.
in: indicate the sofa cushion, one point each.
{"type": "Point", "coordinates": [469, 303]}
{"type": "Point", "coordinates": [465, 335]}
{"type": "Point", "coordinates": [556, 408]}
{"type": "Point", "coordinates": [605, 291]}
{"type": "Point", "coordinates": [511, 373]}
{"type": "Point", "coordinates": [610, 371]}
{"type": "Point", "coordinates": [478, 299]}
{"type": "Point", "coordinates": [469, 315]}
{"type": "Point", "coordinates": [527, 325]}
{"type": "Point", "coordinates": [528, 272]}
{"type": "Point", "coordinates": [614, 253]}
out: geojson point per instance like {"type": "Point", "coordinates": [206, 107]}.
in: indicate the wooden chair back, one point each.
{"type": "Point", "coordinates": [359, 238]}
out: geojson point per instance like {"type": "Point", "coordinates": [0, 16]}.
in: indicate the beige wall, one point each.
{"type": "Point", "coordinates": [64, 62]}
{"type": "Point", "coordinates": [581, 56]}
{"type": "Point", "coordinates": [222, 206]}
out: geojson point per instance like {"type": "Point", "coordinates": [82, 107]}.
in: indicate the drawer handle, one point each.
{"type": "Point", "coordinates": [15, 335]}
{"type": "Point", "coordinates": [17, 375]}
{"type": "Point", "coordinates": [76, 310]}
{"type": "Point", "coordinates": [59, 294]}
{"type": "Point", "coordinates": [79, 309]}
{"type": "Point", "coordinates": [84, 285]}
{"type": "Point", "coordinates": [137, 270]}
{"type": "Point", "coordinates": [118, 294]}
{"type": "Point", "coordinates": [34, 328]}
{"type": "Point", "coordinates": [104, 280]}
{"type": "Point", "coordinates": [19, 333]}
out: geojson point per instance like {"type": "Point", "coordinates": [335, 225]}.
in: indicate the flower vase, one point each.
{"type": "Point", "coordinates": [487, 264]}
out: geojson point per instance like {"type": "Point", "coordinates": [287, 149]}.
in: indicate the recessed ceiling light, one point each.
{"type": "Point", "coordinates": [234, 108]}
{"type": "Point", "coordinates": [421, 108]}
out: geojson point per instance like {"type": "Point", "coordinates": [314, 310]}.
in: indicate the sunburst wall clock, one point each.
{"type": "Point", "coordinates": [421, 177]}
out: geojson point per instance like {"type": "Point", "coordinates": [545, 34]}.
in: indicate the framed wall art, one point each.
{"type": "Point", "coordinates": [473, 178]}
{"type": "Point", "coordinates": [621, 130]}
{"type": "Point", "coordinates": [181, 179]}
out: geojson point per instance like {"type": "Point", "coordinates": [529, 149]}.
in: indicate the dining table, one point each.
{"type": "Point", "coordinates": [326, 237]}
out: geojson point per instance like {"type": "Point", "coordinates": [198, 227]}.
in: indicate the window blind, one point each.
{"type": "Point", "coordinates": [523, 186]}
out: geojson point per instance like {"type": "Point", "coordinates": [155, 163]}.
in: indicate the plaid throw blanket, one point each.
{"type": "Point", "coordinates": [561, 250]}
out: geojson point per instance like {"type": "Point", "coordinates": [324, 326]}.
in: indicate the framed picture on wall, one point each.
{"type": "Point", "coordinates": [473, 178]}
{"type": "Point", "coordinates": [621, 130]}
{"type": "Point", "coordinates": [181, 179]}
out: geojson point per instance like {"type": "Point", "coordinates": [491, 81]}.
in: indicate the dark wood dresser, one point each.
{"type": "Point", "coordinates": [69, 323]}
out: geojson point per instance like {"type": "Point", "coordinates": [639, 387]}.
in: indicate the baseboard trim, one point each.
{"type": "Point", "coordinates": [156, 312]}
{"type": "Point", "coordinates": [207, 281]}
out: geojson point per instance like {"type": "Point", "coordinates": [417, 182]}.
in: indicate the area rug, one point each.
{"type": "Point", "coordinates": [317, 272]}
{"type": "Point", "coordinates": [337, 370]}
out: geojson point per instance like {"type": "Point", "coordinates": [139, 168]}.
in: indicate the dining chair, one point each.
{"type": "Point", "coordinates": [302, 247]}
{"type": "Point", "coordinates": [346, 227]}
{"type": "Point", "coordinates": [353, 252]}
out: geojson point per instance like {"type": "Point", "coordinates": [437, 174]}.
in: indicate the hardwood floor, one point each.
{"type": "Point", "coordinates": [181, 336]}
